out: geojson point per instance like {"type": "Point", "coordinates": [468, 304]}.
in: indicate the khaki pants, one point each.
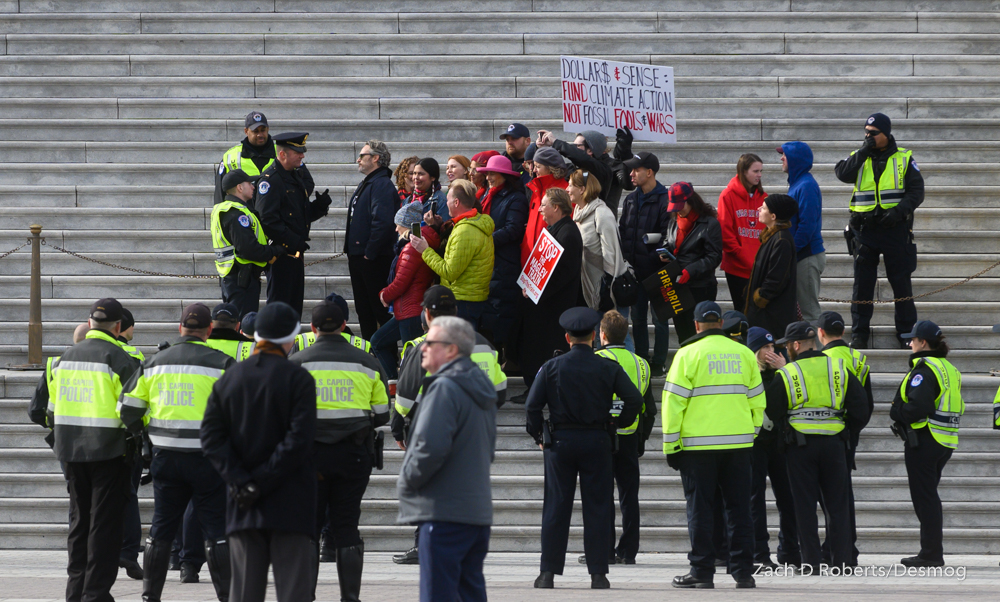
{"type": "Point", "coordinates": [807, 279]}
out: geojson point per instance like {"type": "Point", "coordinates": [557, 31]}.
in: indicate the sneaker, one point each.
{"type": "Point", "coordinates": [410, 556]}
{"type": "Point", "coordinates": [657, 370]}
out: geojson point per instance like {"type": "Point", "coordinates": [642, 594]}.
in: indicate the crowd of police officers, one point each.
{"type": "Point", "coordinates": [727, 421]}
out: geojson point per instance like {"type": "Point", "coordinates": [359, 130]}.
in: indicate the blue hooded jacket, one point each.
{"type": "Point", "coordinates": [808, 222]}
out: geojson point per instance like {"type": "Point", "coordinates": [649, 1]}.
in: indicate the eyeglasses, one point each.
{"type": "Point", "coordinates": [366, 155]}
{"type": "Point", "coordinates": [430, 342]}
{"type": "Point", "coordinates": [872, 132]}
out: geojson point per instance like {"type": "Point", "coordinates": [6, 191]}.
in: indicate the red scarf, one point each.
{"type": "Point", "coordinates": [470, 213]}
{"type": "Point", "coordinates": [419, 196]}
{"type": "Point", "coordinates": [489, 199]}
{"type": "Point", "coordinates": [684, 225]}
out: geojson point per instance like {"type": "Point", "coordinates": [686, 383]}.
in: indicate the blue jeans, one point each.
{"type": "Point", "coordinates": [384, 343]}
{"type": "Point", "coordinates": [472, 311]}
{"type": "Point", "coordinates": [451, 561]}
{"type": "Point", "coordinates": [640, 330]}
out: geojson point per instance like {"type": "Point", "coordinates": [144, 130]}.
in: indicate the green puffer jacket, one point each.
{"type": "Point", "coordinates": [467, 265]}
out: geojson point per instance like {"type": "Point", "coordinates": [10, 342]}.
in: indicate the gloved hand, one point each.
{"type": "Point", "coordinates": [623, 144]}
{"type": "Point", "coordinates": [245, 496]}
{"type": "Point", "coordinates": [867, 147]}
{"type": "Point", "coordinates": [759, 301]}
{"type": "Point", "coordinates": [684, 277]}
{"type": "Point", "coordinates": [277, 250]}
{"type": "Point", "coordinates": [890, 218]}
{"type": "Point", "coordinates": [323, 198]}
{"type": "Point", "coordinates": [674, 460]}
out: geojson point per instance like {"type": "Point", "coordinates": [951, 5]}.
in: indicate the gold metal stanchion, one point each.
{"type": "Point", "coordinates": [35, 360]}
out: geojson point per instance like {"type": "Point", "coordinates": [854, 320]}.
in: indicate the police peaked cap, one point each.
{"type": "Point", "coordinates": [293, 140]}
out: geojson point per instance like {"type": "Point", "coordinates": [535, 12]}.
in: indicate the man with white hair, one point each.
{"type": "Point", "coordinates": [444, 481]}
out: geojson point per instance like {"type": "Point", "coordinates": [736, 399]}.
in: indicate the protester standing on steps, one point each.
{"type": "Point", "coordinates": [90, 441]}
{"type": "Point", "coordinates": [457, 168]}
{"type": "Point", "coordinates": [770, 300]}
{"type": "Point", "coordinates": [926, 413]}
{"type": "Point", "coordinates": [172, 389]}
{"type": "Point", "coordinates": [352, 400]}
{"type": "Point", "coordinates": [741, 228]}
{"type": "Point", "coordinates": [403, 177]}
{"type": "Point", "coordinates": [578, 439]}
{"type": "Point", "coordinates": [368, 237]}
{"type": "Point", "coordinates": [427, 187]}
{"type": "Point", "coordinates": [254, 155]}
{"type": "Point", "coordinates": [286, 213]}
{"type": "Point", "coordinates": [517, 139]}
{"type": "Point", "coordinates": [258, 432]}
{"type": "Point", "coordinates": [589, 153]}
{"type": "Point", "coordinates": [551, 173]}
{"type": "Point", "coordinates": [241, 248]}
{"type": "Point", "coordinates": [888, 188]}
{"type": "Point", "coordinates": [477, 178]}
{"type": "Point", "coordinates": [444, 480]}
{"type": "Point", "coordinates": [713, 406]}
{"type": "Point", "coordinates": [807, 225]}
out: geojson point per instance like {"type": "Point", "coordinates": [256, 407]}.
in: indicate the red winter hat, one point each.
{"type": "Point", "coordinates": [679, 194]}
{"type": "Point", "coordinates": [483, 157]}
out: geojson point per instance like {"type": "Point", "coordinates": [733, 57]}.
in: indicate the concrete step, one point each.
{"type": "Point", "coordinates": [114, 6]}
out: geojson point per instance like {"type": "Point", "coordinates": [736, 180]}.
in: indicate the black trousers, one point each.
{"type": "Point", "coordinates": [684, 321]}
{"type": "Point", "coordinates": [292, 556]}
{"type": "Point", "coordinates": [853, 518]}
{"type": "Point", "coordinates": [738, 291]}
{"type": "Point", "coordinates": [189, 543]}
{"type": "Point", "coordinates": [286, 281]}
{"type": "Point", "coordinates": [820, 468]}
{"type": "Point", "coordinates": [344, 471]}
{"type": "Point", "coordinates": [132, 527]}
{"type": "Point", "coordinates": [769, 461]}
{"type": "Point", "coordinates": [626, 470]}
{"type": "Point", "coordinates": [241, 287]}
{"type": "Point", "coordinates": [98, 493]}
{"type": "Point", "coordinates": [368, 278]}
{"type": "Point", "coordinates": [900, 256]}
{"type": "Point", "coordinates": [586, 453]}
{"type": "Point", "coordinates": [924, 464]}
{"type": "Point", "coordinates": [703, 473]}
{"type": "Point", "coordinates": [180, 478]}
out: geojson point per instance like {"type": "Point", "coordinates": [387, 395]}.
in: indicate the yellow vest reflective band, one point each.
{"type": "Point", "coordinates": [345, 390]}
{"type": "Point", "coordinates": [225, 252]}
{"type": "Point", "coordinates": [890, 188]}
{"type": "Point", "coordinates": [129, 349]}
{"type": "Point", "coordinates": [854, 360]}
{"type": "Point", "coordinates": [238, 350]}
{"type": "Point", "coordinates": [85, 394]}
{"type": "Point", "coordinates": [234, 159]}
{"type": "Point", "coordinates": [949, 406]}
{"type": "Point", "coordinates": [409, 345]}
{"type": "Point", "coordinates": [308, 338]}
{"type": "Point", "coordinates": [816, 387]}
{"type": "Point", "coordinates": [638, 372]}
{"type": "Point", "coordinates": [483, 355]}
{"type": "Point", "coordinates": [176, 396]}
{"type": "Point", "coordinates": [714, 397]}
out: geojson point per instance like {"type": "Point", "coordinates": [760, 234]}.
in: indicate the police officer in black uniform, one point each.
{"type": "Point", "coordinates": [285, 211]}
{"type": "Point", "coordinates": [578, 388]}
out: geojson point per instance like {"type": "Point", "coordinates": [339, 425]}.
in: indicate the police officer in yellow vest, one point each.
{"type": "Point", "coordinates": [926, 413]}
{"type": "Point", "coordinates": [253, 155]}
{"type": "Point", "coordinates": [713, 406]}
{"type": "Point", "coordinates": [631, 438]}
{"type": "Point", "coordinates": [127, 334]}
{"type": "Point", "coordinates": [226, 336]}
{"type": "Point", "coordinates": [352, 399]}
{"type": "Point", "coordinates": [825, 407]}
{"type": "Point", "coordinates": [438, 301]}
{"type": "Point", "coordinates": [91, 442]}
{"type": "Point", "coordinates": [167, 396]}
{"type": "Point", "coordinates": [241, 247]}
{"type": "Point", "coordinates": [888, 188]}
{"type": "Point", "coordinates": [304, 340]}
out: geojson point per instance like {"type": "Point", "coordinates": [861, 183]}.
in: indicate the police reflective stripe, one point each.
{"type": "Point", "coordinates": [244, 350]}
{"type": "Point", "coordinates": [175, 442]}
{"type": "Point", "coordinates": [944, 422]}
{"type": "Point", "coordinates": [404, 405]}
{"type": "Point", "coordinates": [717, 440]}
{"type": "Point", "coordinates": [815, 413]}
{"type": "Point", "coordinates": [169, 423]}
{"type": "Point", "coordinates": [758, 390]}
{"type": "Point", "coordinates": [234, 159]}
{"type": "Point", "coordinates": [128, 400]}
{"type": "Point", "coordinates": [719, 390]}
{"type": "Point", "coordinates": [671, 437]}
{"type": "Point", "coordinates": [801, 393]}
{"type": "Point", "coordinates": [340, 367]}
{"type": "Point", "coordinates": [815, 394]}
{"type": "Point", "coordinates": [889, 189]}
{"type": "Point", "coordinates": [225, 253]}
{"type": "Point", "coordinates": [86, 367]}
{"type": "Point", "coordinates": [181, 369]}
{"type": "Point", "coordinates": [637, 371]}
{"type": "Point", "coordinates": [89, 421]}
{"type": "Point", "coordinates": [675, 389]}
{"type": "Point", "coordinates": [341, 413]}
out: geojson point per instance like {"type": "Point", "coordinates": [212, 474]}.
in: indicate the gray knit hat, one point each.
{"type": "Point", "coordinates": [409, 214]}
{"type": "Point", "coordinates": [549, 157]}
{"type": "Point", "coordinates": [596, 142]}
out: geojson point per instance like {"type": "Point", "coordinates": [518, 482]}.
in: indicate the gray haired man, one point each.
{"type": "Point", "coordinates": [444, 482]}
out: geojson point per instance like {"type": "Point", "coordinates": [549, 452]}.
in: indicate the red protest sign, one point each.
{"type": "Point", "coordinates": [538, 269]}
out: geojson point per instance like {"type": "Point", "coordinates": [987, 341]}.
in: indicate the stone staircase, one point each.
{"type": "Point", "coordinates": [115, 114]}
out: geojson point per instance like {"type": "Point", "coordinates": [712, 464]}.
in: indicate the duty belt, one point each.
{"type": "Point", "coordinates": [568, 426]}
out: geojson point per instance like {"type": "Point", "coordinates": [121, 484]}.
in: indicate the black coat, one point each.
{"type": "Point", "coordinates": [540, 333]}
{"type": "Point", "coordinates": [600, 167]}
{"type": "Point", "coordinates": [371, 231]}
{"type": "Point", "coordinates": [700, 251]}
{"type": "Point", "coordinates": [282, 203]}
{"type": "Point", "coordinates": [259, 426]}
{"type": "Point", "coordinates": [509, 211]}
{"type": "Point", "coordinates": [641, 217]}
{"type": "Point", "coordinates": [771, 302]}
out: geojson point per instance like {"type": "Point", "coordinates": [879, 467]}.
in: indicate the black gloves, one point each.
{"type": "Point", "coordinates": [277, 250]}
{"type": "Point", "coordinates": [867, 147]}
{"type": "Point", "coordinates": [245, 496]}
{"type": "Point", "coordinates": [890, 218]}
{"type": "Point", "coordinates": [623, 144]}
{"type": "Point", "coordinates": [674, 460]}
{"type": "Point", "coordinates": [323, 198]}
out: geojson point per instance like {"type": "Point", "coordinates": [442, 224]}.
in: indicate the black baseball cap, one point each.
{"type": "Point", "coordinates": [830, 320]}
{"type": "Point", "coordinates": [924, 329]}
{"type": "Point", "coordinates": [797, 331]}
{"type": "Point", "coordinates": [235, 178]}
{"type": "Point", "coordinates": [707, 311]}
{"type": "Point", "coordinates": [128, 321]}
{"type": "Point", "coordinates": [516, 130]}
{"type": "Point", "coordinates": [578, 321]}
{"type": "Point", "coordinates": [197, 316]}
{"type": "Point", "coordinates": [106, 310]}
{"type": "Point", "coordinates": [439, 297]}
{"type": "Point", "coordinates": [327, 317]}
{"type": "Point", "coordinates": [643, 159]}
{"type": "Point", "coordinates": [254, 120]}
{"type": "Point", "coordinates": [227, 311]}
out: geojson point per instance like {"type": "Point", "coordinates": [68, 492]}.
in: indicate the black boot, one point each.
{"type": "Point", "coordinates": [217, 555]}
{"type": "Point", "coordinates": [326, 553]}
{"type": "Point", "coordinates": [155, 561]}
{"type": "Point", "coordinates": [350, 562]}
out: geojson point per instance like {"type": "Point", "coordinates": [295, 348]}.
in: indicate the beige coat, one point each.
{"type": "Point", "coordinates": [602, 251]}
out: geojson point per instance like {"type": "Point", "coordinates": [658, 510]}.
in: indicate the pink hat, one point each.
{"type": "Point", "coordinates": [499, 164]}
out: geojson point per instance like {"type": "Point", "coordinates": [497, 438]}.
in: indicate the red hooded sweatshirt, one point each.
{"type": "Point", "coordinates": [740, 228]}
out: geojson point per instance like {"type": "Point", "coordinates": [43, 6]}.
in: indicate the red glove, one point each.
{"type": "Point", "coordinates": [684, 277]}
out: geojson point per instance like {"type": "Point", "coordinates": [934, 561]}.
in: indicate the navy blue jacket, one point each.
{"type": "Point", "coordinates": [807, 224]}
{"type": "Point", "coordinates": [509, 210]}
{"type": "Point", "coordinates": [370, 229]}
{"type": "Point", "coordinates": [644, 214]}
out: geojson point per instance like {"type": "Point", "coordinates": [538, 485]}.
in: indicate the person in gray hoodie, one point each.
{"type": "Point", "coordinates": [444, 481]}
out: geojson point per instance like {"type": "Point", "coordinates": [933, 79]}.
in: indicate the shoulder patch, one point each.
{"type": "Point", "coordinates": [917, 379]}
{"type": "Point", "coordinates": [244, 221]}
{"type": "Point", "coordinates": [263, 187]}
{"type": "Point", "coordinates": [914, 164]}
{"type": "Point", "coordinates": [222, 167]}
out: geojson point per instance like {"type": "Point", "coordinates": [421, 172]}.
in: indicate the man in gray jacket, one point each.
{"type": "Point", "coordinates": [444, 482]}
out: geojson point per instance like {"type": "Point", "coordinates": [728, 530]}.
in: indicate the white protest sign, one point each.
{"type": "Point", "coordinates": [606, 95]}
{"type": "Point", "coordinates": [538, 269]}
